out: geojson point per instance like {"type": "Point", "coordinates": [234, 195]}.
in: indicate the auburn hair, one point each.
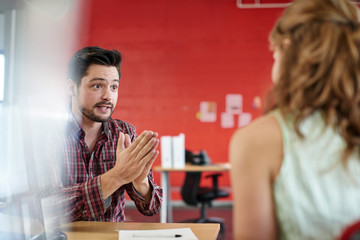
{"type": "Point", "coordinates": [320, 67]}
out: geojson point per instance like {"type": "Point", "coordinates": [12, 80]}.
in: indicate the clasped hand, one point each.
{"type": "Point", "coordinates": [134, 160]}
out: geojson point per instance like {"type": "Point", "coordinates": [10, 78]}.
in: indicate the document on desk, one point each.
{"type": "Point", "coordinates": [160, 234]}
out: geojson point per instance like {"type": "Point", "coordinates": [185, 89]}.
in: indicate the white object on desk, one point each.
{"type": "Point", "coordinates": [178, 147]}
{"type": "Point", "coordinates": [173, 151]}
{"type": "Point", "coordinates": [166, 151]}
{"type": "Point", "coordinates": [163, 234]}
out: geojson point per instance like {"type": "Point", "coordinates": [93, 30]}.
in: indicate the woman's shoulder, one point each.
{"type": "Point", "coordinates": [261, 130]}
{"type": "Point", "coordinates": [258, 145]}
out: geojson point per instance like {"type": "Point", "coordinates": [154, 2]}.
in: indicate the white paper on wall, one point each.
{"type": "Point", "coordinates": [207, 111]}
{"type": "Point", "coordinates": [234, 103]}
{"type": "Point", "coordinates": [244, 119]}
{"type": "Point", "coordinates": [227, 120]}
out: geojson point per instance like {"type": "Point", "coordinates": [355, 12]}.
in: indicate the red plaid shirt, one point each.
{"type": "Point", "coordinates": [81, 176]}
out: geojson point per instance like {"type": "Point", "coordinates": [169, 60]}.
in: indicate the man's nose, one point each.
{"type": "Point", "coordinates": [107, 94]}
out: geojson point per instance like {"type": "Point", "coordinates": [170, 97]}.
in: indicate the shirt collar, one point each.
{"type": "Point", "coordinates": [106, 129]}
{"type": "Point", "coordinates": [75, 128]}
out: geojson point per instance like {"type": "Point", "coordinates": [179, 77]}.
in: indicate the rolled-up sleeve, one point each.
{"type": "Point", "coordinates": [79, 202]}
{"type": "Point", "coordinates": [156, 198]}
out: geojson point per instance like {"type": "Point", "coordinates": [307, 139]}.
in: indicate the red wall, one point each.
{"type": "Point", "coordinates": [178, 53]}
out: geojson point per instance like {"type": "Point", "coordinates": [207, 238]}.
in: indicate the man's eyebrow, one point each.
{"type": "Point", "coordinates": [102, 79]}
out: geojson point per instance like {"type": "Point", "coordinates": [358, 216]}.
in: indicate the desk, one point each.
{"type": "Point", "coordinates": [107, 230]}
{"type": "Point", "coordinates": [166, 207]}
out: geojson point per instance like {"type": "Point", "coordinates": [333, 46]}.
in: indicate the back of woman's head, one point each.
{"type": "Point", "coordinates": [319, 44]}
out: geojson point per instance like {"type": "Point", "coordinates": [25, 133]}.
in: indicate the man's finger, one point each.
{"type": "Point", "coordinates": [148, 137]}
{"type": "Point", "coordinates": [120, 144]}
{"type": "Point", "coordinates": [149, 159]}
{"type": "Point", "coordinates": [137, 141]}
{"type": "Point", "coordinates": [150, 146]}
{"type": "Point", "coordinates": [127, 141]}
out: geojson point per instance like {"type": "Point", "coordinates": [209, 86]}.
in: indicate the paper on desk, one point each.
{"type": "Point", "coordinates": [160, 234]}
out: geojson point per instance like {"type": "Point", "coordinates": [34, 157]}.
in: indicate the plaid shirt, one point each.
{"type": "Point", "coordinates": [81, 176]}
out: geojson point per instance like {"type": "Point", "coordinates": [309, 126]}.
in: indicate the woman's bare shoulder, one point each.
{"type": "Point", "coordinates": [262, 130]}
{"type": "Point", "coordinates": [258, 146]}
{"type": "Point", "coordinates": [255, 154]}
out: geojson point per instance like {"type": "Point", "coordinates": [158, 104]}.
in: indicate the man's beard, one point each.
{"type": "Point", "coordinates": [90, 114]}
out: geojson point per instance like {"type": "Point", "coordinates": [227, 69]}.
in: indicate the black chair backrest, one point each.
{"type": "Point", "coordinates": [190, 187]}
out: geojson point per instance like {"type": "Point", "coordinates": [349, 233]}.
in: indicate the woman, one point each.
{"type": "Point", "coordinates": [296, 170]}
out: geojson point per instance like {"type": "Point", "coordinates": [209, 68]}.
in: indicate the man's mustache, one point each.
{"type": "Point", "coordinates": [108, 104]}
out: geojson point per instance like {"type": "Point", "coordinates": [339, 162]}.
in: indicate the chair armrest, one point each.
{"type": "Point", "coordinates": [215, 181]}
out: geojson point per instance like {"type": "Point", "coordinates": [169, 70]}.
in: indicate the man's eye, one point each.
{"type": "Point", "coordinates": [115, 87]}
{"type": "Point", "coordinates": [97, 86]}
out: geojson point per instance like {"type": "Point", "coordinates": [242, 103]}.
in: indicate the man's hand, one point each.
{"type": "Point", "coordinates": [141, 183]}
{"type": "Point", "coordinates": [133, 162]}
{"type": "Point", "coordinates": [143, 176]}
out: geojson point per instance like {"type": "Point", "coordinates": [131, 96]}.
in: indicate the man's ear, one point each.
{"type": "Point", "coordinates": [71, 87]}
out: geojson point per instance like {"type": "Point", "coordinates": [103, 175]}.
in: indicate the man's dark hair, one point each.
{"type": "Point", "coordinates": [82, 59]}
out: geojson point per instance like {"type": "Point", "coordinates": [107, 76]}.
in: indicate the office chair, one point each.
{"type": "Point", "coordinates": [193, 194]}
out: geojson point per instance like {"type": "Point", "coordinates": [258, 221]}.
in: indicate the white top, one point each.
{"type": "Point", "coordinates": [315, 196]}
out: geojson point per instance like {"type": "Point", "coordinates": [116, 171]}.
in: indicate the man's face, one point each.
{"type": "Point", "coordinates": [96, 97]}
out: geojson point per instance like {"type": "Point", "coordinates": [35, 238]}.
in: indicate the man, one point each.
{"type": "Point", "coordinates": [104, 157]}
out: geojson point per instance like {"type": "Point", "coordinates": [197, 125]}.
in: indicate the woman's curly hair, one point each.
{"type": "Point", "coordinates": [320, 67]}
